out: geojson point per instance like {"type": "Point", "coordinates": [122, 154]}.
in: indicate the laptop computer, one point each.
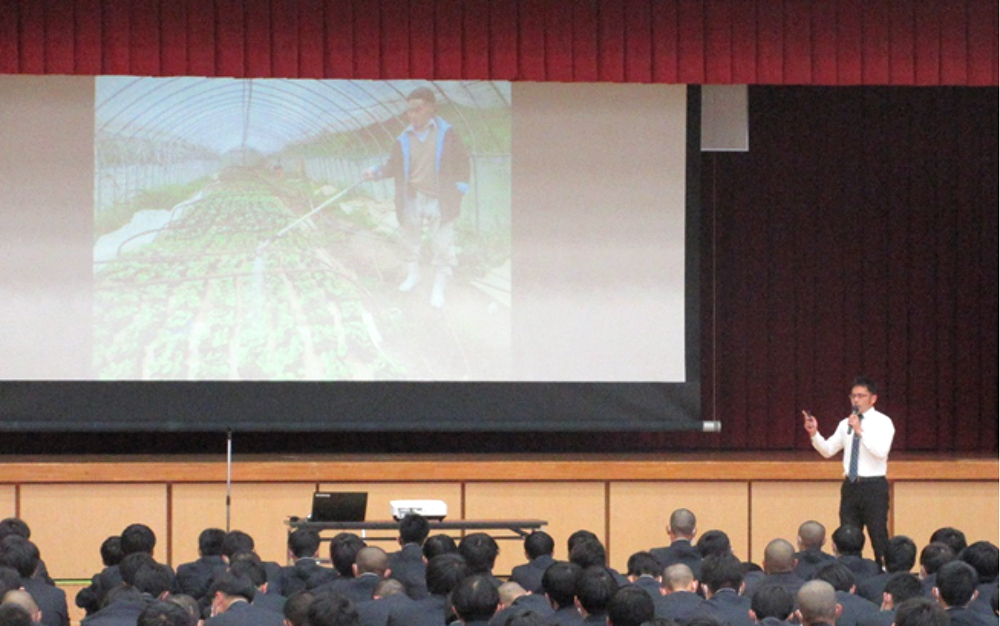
{"type": "Point", "coordinates": [332, 506]}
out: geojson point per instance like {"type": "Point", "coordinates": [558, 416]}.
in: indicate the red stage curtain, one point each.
{"type": "Point", "coordinates": [817, 42]}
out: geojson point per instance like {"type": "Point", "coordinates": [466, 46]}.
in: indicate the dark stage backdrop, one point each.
{"type": "Point", "coordinates": [859, 234]}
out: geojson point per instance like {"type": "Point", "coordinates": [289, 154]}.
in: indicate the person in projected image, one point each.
{"type": "Point", "coordinates": [430, 167]}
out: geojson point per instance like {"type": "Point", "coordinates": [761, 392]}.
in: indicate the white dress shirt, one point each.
{"type": "Point", "coordinates": [876, 439]}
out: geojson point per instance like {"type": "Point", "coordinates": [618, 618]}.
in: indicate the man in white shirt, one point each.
{"type": "Point", "coordinates": [865, 437]}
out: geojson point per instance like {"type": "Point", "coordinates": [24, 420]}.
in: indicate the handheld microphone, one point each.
{"type": "Point", "coordinates": [854, 411]}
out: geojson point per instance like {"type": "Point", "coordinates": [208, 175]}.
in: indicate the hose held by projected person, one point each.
{"type": "Point", "coordinates": [430, 168]}
{"type": "Point", "coordinates": [865, 436]}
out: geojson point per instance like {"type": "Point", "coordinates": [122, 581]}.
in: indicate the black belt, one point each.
{"type": "Point", "coordinates": [864, 479]}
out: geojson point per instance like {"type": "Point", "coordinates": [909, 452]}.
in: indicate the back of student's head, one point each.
{"type": "Point", "coordinates": [589, 553]}
{"type": "Point", "coordinates": [539, 543]}
{"type": "Point", "coordinates": [559, 582]}
{"type": "Point", "coordinates": [9, 579]}
{"type": "Point", "coordinates": [438, 544]}
{"type": "Point", "coordinates": [252, 568]}
{"type": "Point", "coordinates": [444, 572]}
{"type": "Point", "coordinates": [682, 523]}
{"type": "Point", "coordinates": [952, 537]}
{"type": "Point", "coordinates": [678, 577]}
{"type": "Point", "coordinates": [921, 611]}
{"type": "Point", "coordinates": [138, 538]}
{"type": "Point", "coordinates": [812, 535]}
{"type": "Point", "coordinates": [714, 543]}
{"type": "Point", "coordinates": [902, 586]}
{"type": "Point", "coordinates": [480, 552]}
{"type": "Point", "coordinates": [189, 604]}
{"type": "Point", "coordinates": [233, 586]}
{"type": "Point", "coordinates": [413, 528]}
{"type": "Point", "coordinates": [475, 598]}
{"type": "Point", "coordinates": [344, 550]}
{"type": "Point", "coordinates": [594, 589]}
{"type": "Point", "coordinates": [111, 551]}
{"type": "Point", "coordinates": [329, 609]}
{"type": "Point", "coordinates": [956, 583]}
{"type": "Point", "coordinates": [934, 555]}
{"type": "Point", "coordinates": [19, 554]}
{"type": "Point", "coordinates": [849, 540]}
{"type": "Point", "coordinates": [303, 543]}
{"type": "Point", "coordinates": [13, 615]}
{"type": "Point", "coordinates": [984, 557]}
{"type": "Point", "coordinates": [211, 542]}
{"type": "Point", "coordinates": [630, 606]}
{"type": "Point", "coordinates": [722, 571]}
{"type": "Point", "coordinates": [900, 554]}
{"type": "Point", "coordinates": [578, 536]}
{"type": "Point", "coordinates": [237, 541]}
{"type": "Point", "coordinates": [296, 610]}
{"type": "Point", "coordinates": [131, 564]}
{"type": "Point", "coordinates": [772, 600]}
{"type": "Point", "coordinates": [14, 526]}
{"type": "Point", "coordinates": [372, 560]}
{"type": "Point", "coordinates": [840, 577]}
{"type": "Point", "coordinates": [817, 602]}
{"type": "Point", "coordinates": [524, 617]}
{"type": "Point", "coordinates": [644, 564]}
{"type": "Point", "coordinates": [154, 579]}
{"type": "Point", "coordinates": [162, 613]}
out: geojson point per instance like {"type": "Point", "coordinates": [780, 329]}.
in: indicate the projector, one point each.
{"type": "Point", "coordinates": [431, 509]}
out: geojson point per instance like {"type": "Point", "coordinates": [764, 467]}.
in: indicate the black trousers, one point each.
{"type": "Point", "coordinates": [865, 504]}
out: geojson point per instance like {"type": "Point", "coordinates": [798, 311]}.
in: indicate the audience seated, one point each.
{"type": "Point", "coordinates": [22, 555]}
{"type": "Point", "coordinates": [370, 567]}
{"type": "Point", "coordinates": [538, 549]}
{"type": "Point", "coordinates": [900, 587]}
{"type": "Point", "coordinates": [681, 529]}
{"type": "Point", "coordinates": [559, 584]}
{"type": "Point", "coordinates": [848, 543]}
{"type": "Point", "coordinates": [17, 526]}
{"type": "Point", "coordinates": [645, 572]}
{"type": "Point", "coordinates": [594, 587]}
{"type": "Point", "coordinates": [680, 600]}
{"type": "Point", "coordinates": [23, 599]}
{"type": "Point", "coordinates": [811, 538]}
{"type": "Point", "coordinates": [772, 605]}
{"type": "Point", "coordinates": [817, 602]}
{"type": "Point", "coordinates": [330, 609]}
{"type": "Point", "coordinates": [239, 541]}
{"type": "Point", "coordinates": [722, 579]}
{"type": "Point", "coordinates": [162, 613]}
{"type": "Point", "coordinates": [249, 564]}
{"type": "Point", "coordinates": [480, 553]}
{"type": "Point", "coordinates": [630, 606]}
{"type": "Point", "coordinates": [714, 543]}
{"type": "Point", "coordinates": [921, 612]}
{"type": "Point", "coordinates": [195, 578]}
{"type": "Point", "coordinates": [439, 544]}
{"type": "Point", "coordinates": [955, 589]}
{"type": "Point", "coordinates": [231, 597]}
{"type": "Point", "coordinates": [14, 615]}
{"type": "Point", "coordinates": [589, 552]}
{"type": "Point", "coordinates": [296, 609]}
{"type": "Point", "coordinates": [305, 571]}
{"type": "Point", "coordinates": [854, 608]}
{"type": "Point", "coordinates": [932, 558]}
{"type": "Point", "coordinates": [475, 599]}
{"type": "Point", "coordinates": [444, 572]}
{"type": "Point", "coordinates": [779, 568]}
{"type": "Point", "coordinates": [407, 565]}
{"type": "Point", "coordinates": [983, 556]}
{"type": "Point", "coordinates": [515, 599]}
{"type": "Point", "coordinates": [900, 556]}
{"type": "Point", "coordinates": [951, 537]}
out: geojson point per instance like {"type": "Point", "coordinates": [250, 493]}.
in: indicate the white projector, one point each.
{"type": "Point", "coordinates": [431, 509]}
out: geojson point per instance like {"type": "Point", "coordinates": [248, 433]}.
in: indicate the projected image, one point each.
{"type": "Point", "coordinates": [301, 230]}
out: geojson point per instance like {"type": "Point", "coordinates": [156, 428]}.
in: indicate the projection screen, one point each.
{"type": "Point", "coordinates": [202, 253]}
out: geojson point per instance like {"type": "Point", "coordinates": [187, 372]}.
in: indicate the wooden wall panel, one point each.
{"type": "Point", "coordinates": [380, 494]}
{"type": "Point", "coordinates": [639, 513]}
{"type": "Point", "coordinates": [922, 507]}
{"type": "Point", "coordinates": [257, 508]}
{"type": "Point", "coordinates": [567, 507]}
{"type": "Point", "coordinates": [778, 508]}
{"type": "Point", "coordinates": [75, 613]}
{"type": "Point", "coordinates": [8, 501]}
{"type": "Point", "coordinates": [69, 522]}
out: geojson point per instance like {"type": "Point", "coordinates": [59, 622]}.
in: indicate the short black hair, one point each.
{"type": "Point", "coordinates": [902, 586]}
{"type": "Point", "coordinates": [644, 563]}
{"type": "Point", "coordinates": [296, 609]}
{"type": "Point", "coordinates": [934, 555]}
{"type": "Point", "coordinates": [984, 557]}
{"type": "Point", "coordinates": [921, 611]}
{"type": "Point", "coordinates": [138, 538]}
{"type": "Point", "coordinates": [414, 528]}
{"type": "Point", "coordinates": [475, 598]}
{"type": "Point", "coordinates": [900, 554]}
{"type": "Point", "coordinates": [848, 539]}
{"type": "Point", "coordinates": [14, 526]}
{"type": "Point", "coordinates": [589, 553]}
{"type": "Point", "coordinates": [252, 568]}
{"type": "Point", "coordinates": [723, 571]}
{"type": "Point", "coordinates": [330, 609]}
{"type": "Point", "coordinates": [772, 600]}
{"type": "Point", "coordinates": [952, 537]}
{"type": "Point", "coordinates": [131, 564]}
{"type": "Point", "coordinates": [231, 585]}
{"type": "Point", "coordinates": [9, 579]}
{"type": "Point", "coordinates": [559, 582]}
{"type": "Point", "coordinates": [111, 551]}
{"type": "Point", "coordinates": [594, 588]}
{"type": "Point", "coordinates": [211, 541]}
{"type": "Point", "coordinates": [840, 577]}
{"type": "Point", "coordinates": [480, 552]}
{"type": "Point", "coordinates": [714, 542]}
{"type": "Point", "coordinates": [344, 550]}
{"type": "Point", "coordinates": [578, 536]}
{"type": "Point", "coordinates": [303, 543]}
{"type": "Point", "coordinates": [539, 543]}
{"type": "Point", "coordinates": [154, 579]}
{"type": "Point", "coordinates": [438, 544]}
{"type": "Point", "coordinates": [162, 613]}
{"type": "Point", "coordinates": [19, 554]}
{"type": "Point", "coordinates": [956, 583]}
{"type": "Point", "coordinates": [444, 572]}
{"type": "Point", "coordinates": [630, 606]}
{"type": "Point", "coordinates": [867, 383]}
{"type": "Point", "coordinates": [237, 541]}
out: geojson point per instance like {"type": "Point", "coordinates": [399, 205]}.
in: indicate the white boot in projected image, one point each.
{"type": "Point", "coordinates": [437, 291]}
{"type": "Point", "coordinates": [412, 277]}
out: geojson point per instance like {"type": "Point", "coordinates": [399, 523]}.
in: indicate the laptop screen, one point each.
{"type": "Point", "coordinates": [329, 506]}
